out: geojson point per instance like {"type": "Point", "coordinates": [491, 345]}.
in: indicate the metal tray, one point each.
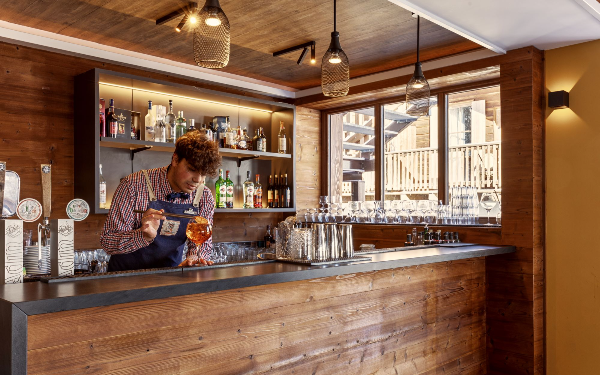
{"type": "Point", "coordinates": [355, 258]}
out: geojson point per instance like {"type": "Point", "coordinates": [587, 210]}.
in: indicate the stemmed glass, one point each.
{"type": "Point", "coordinates": [488, 202]}
{"type": "Point", "coordinates": [369, 206]}
{"type": "Point", "coordinates": [423, 207]}
{"type": "Point", "coordinates": [198, 230]}
{"type": "Point", "coordinates": [409, 207]}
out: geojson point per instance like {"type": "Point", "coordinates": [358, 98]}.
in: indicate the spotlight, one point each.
{"type": "Point", "coordinates": [193, 20]}
{"type": "Point", "coordinates": [302, 55]}
{"type": "Point", "coordinates": [181, 24]}
{"type": "Point", "coordinates": [312, 54]}
{"type": "Point", "coordinates": [304, 48]}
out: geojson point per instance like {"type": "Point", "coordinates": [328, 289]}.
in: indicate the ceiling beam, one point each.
{"type": "Point", "coordinates": [592, 6]}
{"type": "Point", "coordinates": [432, 17]}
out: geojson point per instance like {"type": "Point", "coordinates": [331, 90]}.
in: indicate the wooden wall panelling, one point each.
{"type": "Point", "coordinates": [308, 158]}
{"type": "Point", "coordinates": [421, 319]}
{"type": "Point", "coordinates": [37, 126]}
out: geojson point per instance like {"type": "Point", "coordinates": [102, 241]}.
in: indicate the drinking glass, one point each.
{"type": "Point", "coordinates": [198, 230]}
{"type": "Point", "coordinates": [488, 202]}
{"type": "Point", "coordinates": [409, 207]}
{"type": "Point", "coordinates": [354, 207]}
{"type": "Point", "coordinates": [422, 208]}
{"type": "Point", "coordinates": [369, 206]}
{"type": "Point", "coordinates": [379, 212]}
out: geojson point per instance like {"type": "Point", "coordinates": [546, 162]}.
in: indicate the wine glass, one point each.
{"type": "Point", "coordinates": [198, 230]}
{"type": "Point", "coordinates": [488, 202]}
{"type": "Point", "coordinates": [409, 207]}
{"type": "Point", "coordinates": [423, 207]}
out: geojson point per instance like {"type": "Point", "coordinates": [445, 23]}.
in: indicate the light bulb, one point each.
{"type": "Point", "coordinates": [193, 19]}
{"type": "Point", "coordinates": [212, 20]}
{"type": "Point", "coordinates": [312, 61]}
{"type": "Point", "coordinates": [418, 85]}
{"type": "Point", "coordinates": [335, 59]}
{"type": "Point", "coordinates": [178, 29]}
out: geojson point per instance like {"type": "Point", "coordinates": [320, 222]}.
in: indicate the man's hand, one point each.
{"type": "Point", "coordinates": [150, 223]}
{"type": "Point", "coordinates": [193, 260]}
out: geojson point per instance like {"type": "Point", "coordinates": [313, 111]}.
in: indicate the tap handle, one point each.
{"type": "Point", "coordinates": [46, 189]}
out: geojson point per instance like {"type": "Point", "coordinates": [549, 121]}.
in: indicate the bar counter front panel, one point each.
{"type": "Point", "coordinates": [419, 311]}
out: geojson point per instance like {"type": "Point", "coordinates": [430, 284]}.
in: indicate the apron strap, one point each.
{"type": "Point", "coordinates": [199, 194]}
{"type": "Point", "coordinates": [150, 190]}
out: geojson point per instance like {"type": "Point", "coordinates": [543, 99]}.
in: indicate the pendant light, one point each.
{"type": "Point", "coordinates": [212, 37]}
{"type": "Point", "coordinates": [417, 89]}
{"type": "Point", "coordinates": [335, 68]}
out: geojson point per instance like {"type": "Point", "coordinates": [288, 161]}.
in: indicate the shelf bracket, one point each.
{"type": "Point", "coordinates": [240, 160]}
{"type": "Point", "coordinates": [139, 149]}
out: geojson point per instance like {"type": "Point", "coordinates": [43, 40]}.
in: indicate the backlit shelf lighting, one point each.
{"type": "Point", "coordinates": [185, 97]}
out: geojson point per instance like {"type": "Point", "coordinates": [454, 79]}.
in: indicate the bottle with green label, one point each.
{"type": "Point", "coordinates": [220, 191]}
{"type": "Point", "coordinates": [229, 190]}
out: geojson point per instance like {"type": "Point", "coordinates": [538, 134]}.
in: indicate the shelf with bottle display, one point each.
{"type": "Point", "coordinates": [113, 132]}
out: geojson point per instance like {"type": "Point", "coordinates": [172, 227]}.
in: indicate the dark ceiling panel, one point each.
{"type": "Point", "coordinates": [375, 34]}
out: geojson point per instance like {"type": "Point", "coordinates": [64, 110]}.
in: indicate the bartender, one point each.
{"type": "Point", "coordinates": [153, 239]}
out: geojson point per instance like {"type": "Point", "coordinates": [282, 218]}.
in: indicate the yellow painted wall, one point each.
{"type": "Point", "coordinates": [573, 212]}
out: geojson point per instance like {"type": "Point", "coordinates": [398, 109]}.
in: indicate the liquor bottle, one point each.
{"type": "Point", "coordinates": [243, 140]}
{"type": "Point", "coordinates": [263, 141]}
{"type": "Point", "coordinates": [102, 118]}
{"type": "Point", "coordinates": [282, 144]}
{"type": "Point", "coordinates": [102, 200]}
{"type": "Point", "coordinates": [268, 238]}
{"type": "Point", "coordinates": [221, 191]}
{"type": "Point", "coordinates": [229, 183]}
{"type": "Point", "coordinates": [286, 194]}
{"type": "Point", "coordinates": [248, 192]}
{"type": "Point", "coordinates": [229, 137]}
{"type": "Point", "coordinates": [276, 193]}
{"type": "Point", "coordinates": [409, 241]}
{"type": "Point", "coordinates": [111, 120]}
{"type": "Point", "coordinates": [170, 122]}
{"type": "Point", "coordinates": [149, 124]}
{"type": "Point", "coordinates": [257, 193]}
{"type": "Point", "coordinates": [270, 192]}
{"type": "Point", "coordinates": [160, 130]}
{"type": "Point", "coordinates": [180, 128]}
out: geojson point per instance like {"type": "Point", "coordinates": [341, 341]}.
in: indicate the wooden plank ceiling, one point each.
{"type": "Point", "coordinates": [376, 34]}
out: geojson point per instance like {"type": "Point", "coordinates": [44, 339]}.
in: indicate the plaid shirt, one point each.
{"type": "Point", "coordinates": [122, 229]}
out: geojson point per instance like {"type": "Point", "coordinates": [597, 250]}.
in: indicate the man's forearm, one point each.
{"type": "Point", "coordinates": [123, 242]}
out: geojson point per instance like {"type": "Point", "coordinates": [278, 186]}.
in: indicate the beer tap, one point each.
{"type": "Point", "coordinates": [44, 227]}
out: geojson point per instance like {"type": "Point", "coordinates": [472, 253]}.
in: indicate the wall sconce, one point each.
{"type": "Point", "coordinates": [304, 47]}
{"type": "Point", "coordinates": [558, 99]}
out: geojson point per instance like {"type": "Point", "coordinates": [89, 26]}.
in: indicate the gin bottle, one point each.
{"type": "Point", "coordinates": [149, 124]}
{"type": "Point", "coordinates": [160, 130]}
{"type": "Point", "coordinates": [257, 193]}
{"type": "Point", "coordinates": [229, 190]}
{"type": "Point", "coordinates": [248, 192]}
{"type": "Point", "coordinates": [170, 122]}
{"type": "Point", "coordinates": [282, 144]}
{"type": "Point", "coordinates": [221, 191]}
{"type": "Point", "coordinates": [180, 128]}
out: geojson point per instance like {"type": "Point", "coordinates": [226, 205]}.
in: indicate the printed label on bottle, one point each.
{"type": "Point", "coordinates": [270, 196]}
{"type": "Point", "coordinates": [229, 192]}
{"type": "Point", "coordinates": [229, 138]}
{"type": "Point", "coordinates": [242, 145]}
{"type": "Point", "coordinates": [282, 144]}
{"type": "Point", "coordinates": [102, 193]}
{"type": "Point", "coordinates": [222, 190]}
{"type": "Point", "coordinates": [113, 127]}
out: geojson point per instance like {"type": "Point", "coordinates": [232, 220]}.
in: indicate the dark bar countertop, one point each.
{"type": "Point", "coordinates": [40, 298]}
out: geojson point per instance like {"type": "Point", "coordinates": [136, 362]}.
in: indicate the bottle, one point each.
{"type": "Point", "coordinates": [170, 122]}
{"type": "Point", "coordinates": [102, 117]}
{"type": "Point", "coordinates": [229, 190]}
{"type": "Point", "coordinates": [257, 193]}
{"type": "Point", "coordinates": [102, 200]}
{"type": "Point", "coordinates": [220, 191]}
{"type": "Point", "coordinates": [255, 145]}
{"type": "Point", "coordinates": [248, 192]}
{"type": "Point", "coordinates": [268, 238]}
{"type": "Point", "coordinates": [282, 145]}
{"type": "Point", "coordinates": [160, 130]}
{"type": "Point", "coordinates": [229, 137]}
{"type": "Point", "coordinates": [243, 140]}
{"type": "Point", "coordinates": [263, 141]}
{"type": "Point", "coordinates": [180, 128]}
{"type": "Point", "coordinates": [276, 193]}
{"type": "Point", "coordinates": [286, 194]}
{"type": "Point", "coordinates": [409, 241]}
{"type": "Point", "coordinates": [149, 124]}
{"type": "Point", "coordinates": [270, 192]}
{"type": "Point", "coordinates": [111, 119]}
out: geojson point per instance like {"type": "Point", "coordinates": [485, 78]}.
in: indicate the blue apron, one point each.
{"type": "Point", "coordinates": [167, 248]}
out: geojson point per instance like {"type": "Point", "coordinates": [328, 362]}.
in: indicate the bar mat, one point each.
{"type": "Point", "coordinates": [355, 258]}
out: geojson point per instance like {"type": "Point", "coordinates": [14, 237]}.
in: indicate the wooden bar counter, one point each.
{"type": "Point", "coordinates": [413, 311]}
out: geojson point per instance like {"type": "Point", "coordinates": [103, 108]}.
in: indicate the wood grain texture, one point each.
{"type": "Point", "coordinates": [258, 28]}
{"type": "Point", "coordinates": [36, 127]}
{"type": "Point", "coordinates": [308, 157]}
{"type": "Point", "coordinates": [418, 320]}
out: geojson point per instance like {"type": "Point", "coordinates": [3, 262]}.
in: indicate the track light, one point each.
{"type": "Point", "coordinates": [181, 24]}
{"type": "Point", "coordinates": [304, 48]}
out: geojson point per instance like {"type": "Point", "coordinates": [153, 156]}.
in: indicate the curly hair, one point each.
{"type": "Point", "coordinates": [201, 153]}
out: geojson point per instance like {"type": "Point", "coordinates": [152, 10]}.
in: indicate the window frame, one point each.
{"type": "Point", "coordinates": [378, 105]}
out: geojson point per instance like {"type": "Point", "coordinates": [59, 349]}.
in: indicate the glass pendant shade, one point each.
{"type": "Point", "coordinates": [417, 94]}
{"type": "Point", "coordinates": [335, 69]}
{"type": "Point", "coordinates": [212, 37]}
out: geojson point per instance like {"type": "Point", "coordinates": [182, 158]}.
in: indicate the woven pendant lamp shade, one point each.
{"type": "Point", "coordinates": [212, 37]}
{"type": "Point", "coordinates": [335, 69]}
{"type": "Point", "coordinates": [417, 89]}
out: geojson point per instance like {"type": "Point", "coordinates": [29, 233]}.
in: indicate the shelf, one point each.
{"type": "Point", "coordinates": [133, 144]}
{"type": "Point", "coordinates": [250, 210]}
